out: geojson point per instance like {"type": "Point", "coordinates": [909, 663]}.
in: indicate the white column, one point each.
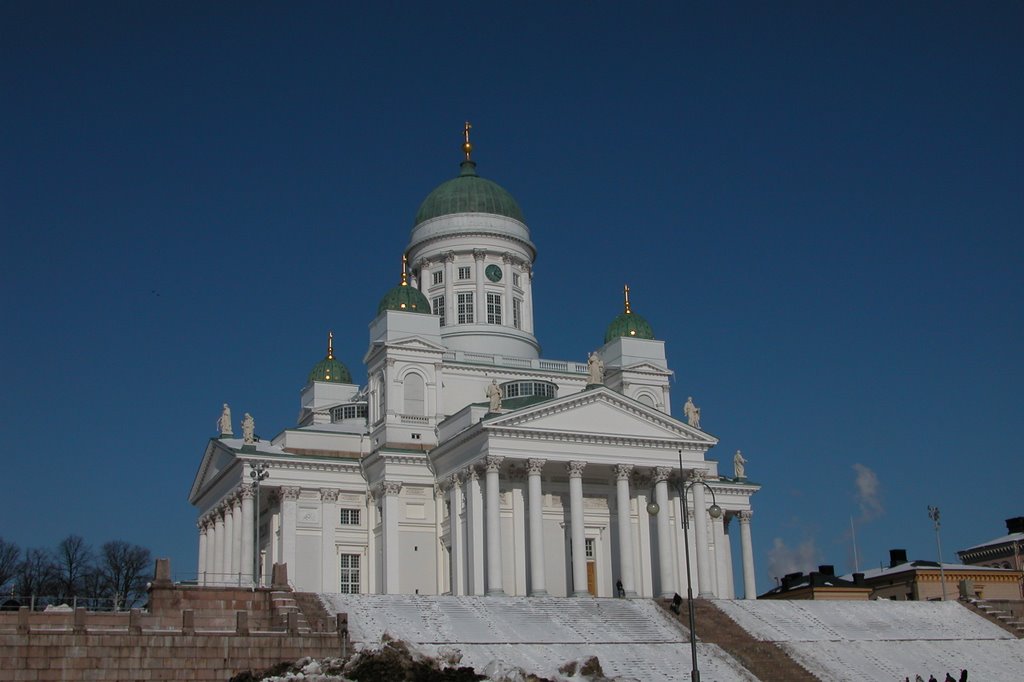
{"type": "Point", "coordinates": [440, 570]}
{"type": "Point", "coordinates": [506, 312]}
{"type": "Point", "coordinates": [248, 529]}
{"type": "Point", "coordinates": [517, 543]}
{"type": "Point", "coordinates": [700, 527]}
{"type": "Point", "coordinates": [450, 309]}
{"type": "Point", "coordinates": [289, 516]}
{"type": "Point", "coordinates": [201, 578]}
{"type": "Point", "coordinates": [538, 585]}
{"type": "Point", "coordinates": [219, 574]}
{"type": "Point", "coordinates": [494, 582]}
{"type": "Point", "coordinates": [626, 569]}
{"type": "Point", "coordinates": [328, 528]}
{"type": "Point", "coordinates": [236, 540]}
{"type": "Point", "coordinates": [730, 586]}
{"type": "Point", "coordinates": [747, 548]}
{"type": "Point", "coordinates": [721, 557]}
{"type": "Point", "coordinates": [528, 298]}
{"type": "Point", "coordinates": [665, 567]}
{"type": "Point", "coordinates": [474, 533]}
{"type": "Point", "coordinates": [458, 548]}
{"type": "Point", "coordinates": [229, 543]}
{"type": "Point", "coordinates": [579, 556]}
{"type": "Point", "coordinates": [481, 298]}
{"type": "Point", "coordinates": [370, 510]}
{"type": "Point", "coordinates": [643, 550]}
{"type": "Point", "coordinates": [392, 560]}
{"type": "Point", "coordinates": [211, 548]}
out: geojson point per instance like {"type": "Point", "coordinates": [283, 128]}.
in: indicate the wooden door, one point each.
{"type": "Point", "coordinates": [592, 578]}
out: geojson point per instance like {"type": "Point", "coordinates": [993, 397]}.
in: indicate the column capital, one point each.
{"type": "Point", "coordinates": [290, 493]}
{"type": "Point", "coordinates": [449, 257]}
{"type": "Point", "coordinates": [471, 473]}
{"type": "Point", "coordinates": [391, 488]}
{"type": "Point", "coordinates": [329, 494]}
{"type": "Point", "coordinates": [623, 471]}
{"type": "Point", "coordinates": [479, 254]}
{"type": "Point", "coordinates": [534, 466]}
{"type": "Point", "coordinates": [698, 475]}
{"type": "Point", "coordinates": [201, 525]}
{"type": "Point", "coordinates": [745, 515]}
{"type": "Point", "coordinates": [493, 462]}
{"type": "Point", "coordinates": [575, 468]}
{"type": "Point", "coordinates": [247, 491]}
{"type": "Point", "coordinates": [454, 481]}
{"type": "Point", "coordinates": [662, 474]}
{"type": "Point", "coordinates": [507, 258]}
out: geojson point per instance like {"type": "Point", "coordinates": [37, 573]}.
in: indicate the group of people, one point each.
{"type": "Point", "coordinates": [949, 678]}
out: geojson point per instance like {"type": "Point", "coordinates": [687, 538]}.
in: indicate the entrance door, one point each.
{"type": "Point", "coordinates": [591, 567]}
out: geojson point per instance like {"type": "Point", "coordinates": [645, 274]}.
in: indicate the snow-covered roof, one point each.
{"type": "Point", "coordinates": [921, 566]}
{"type": "Point", "coordinates": [1012, 537]}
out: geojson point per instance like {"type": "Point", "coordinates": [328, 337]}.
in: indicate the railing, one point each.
{"type": "Point", "coordinates": [47, 602]}
{"type": "Point", "coordinates": [413, 419]}
{"type": "Point", "coordinates": [566, 366]}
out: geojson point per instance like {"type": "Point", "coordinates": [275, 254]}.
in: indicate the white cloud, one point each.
{"type": "Point", "coordinates": [868, 493]}
{"type": "Point", "coordinates": [783, 559]}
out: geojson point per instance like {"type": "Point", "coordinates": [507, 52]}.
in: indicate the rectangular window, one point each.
{"type": "Point", "coordinates": [348, 517]}
{"type": "Point", "coordinates": [515, 279]}
{"type": "Point", "coordinates": [517, 313]}
{"type": "Point", "coordinates": [466, 307]}
{"type": "Point", "coordinates": [493, 308]}
{"type": "Point", "coordinates": [437, 307]}
{"type": "Point", "coordinates": [348, 572]}
{"type": "Point", "coordinates": [465, 272]}
{"type": "Point", "coordinates": [588, 548]}
{"type": "Point", "coordinates": [438, 277]}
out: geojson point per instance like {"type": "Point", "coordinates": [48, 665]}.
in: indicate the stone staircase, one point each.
{"type": "Point", "coordinates": [287, 615]}
{"type": "Point", "coordinates": [764, 659]}
{"type": "Point", "coordinates": [1003, 619]}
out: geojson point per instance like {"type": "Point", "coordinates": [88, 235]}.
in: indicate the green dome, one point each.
{"type": "Point", "coordinates": [629, 324]}
{"type": "Point", "coordinates": [329, 369]}
{"type": "Point", "coordinates": [468, 193]}
{"type": "Point", "coordinates": [404, 297]}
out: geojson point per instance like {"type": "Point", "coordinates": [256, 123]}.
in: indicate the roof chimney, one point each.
{"type": "Point", "coordinates": [827, 569]}
{"type": "Point", "coordinates": [1015, 525]}
{"type": "Point", "coordinates": [897, 557]}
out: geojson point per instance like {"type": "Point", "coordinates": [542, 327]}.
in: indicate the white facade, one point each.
{"type": "Point", "coordinates": [411, 484]}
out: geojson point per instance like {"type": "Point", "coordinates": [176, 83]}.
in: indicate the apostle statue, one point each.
{"type": "Point", "coordinates": [692, 413]}
{"type": "Point", "coordinates": [494, 393]}
{"type": "Point", "coordinates": [738, 468]}
{"type": "Point", "coordinates": [248, 429]}
{"type": "Point", "coordinates": [595, 369]}
{"type": "Point", "coordinates": [224, 422]}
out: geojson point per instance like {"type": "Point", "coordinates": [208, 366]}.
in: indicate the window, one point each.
{"type": "Point", "coordinates": [515, 279]}
{"type": "Point", "coordinates": [348, 516]}
{"type": "Point", "coordinates": [465, 272]}
{"type": "Point", "coordinates": [517, 313]}
{"type": "Point", "coordinates": [466, 308]}
{"type": "Point", "coordinates": [519, 389]}
{"type": "Point", "coordinates": [348, 573]}
{"type": "Point", "coordinates": [414, 395]}
{"type": "Point", "coordinates": [345, 412]}
{"type": "Point", "coordinates": [381, 398]}
{"type": "Point", "coordinates": [588, 548]}
{"type": "Point", "coordinates": [437, 307]}
{"type": "Point", "coordinates": [438, 277]}
{"type": "Point", "coordinates": [493, 308]}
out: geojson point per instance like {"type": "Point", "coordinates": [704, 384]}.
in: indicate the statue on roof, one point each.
{"type": "Point", "coordinates": [692, 413]}
{"type": "Point", "coordinates": [494, 393]}
{"type": "Point", "coordinates": [248, 429]}
{"type": "Point", "coordinates": [224, 421]}
{"type": "Point", "coordinates": [738, 469]}
{"type": "Point", "coordinates": [595, 369]}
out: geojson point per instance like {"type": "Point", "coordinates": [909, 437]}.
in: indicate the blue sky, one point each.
{"type": "Point", "coordinates": [817, 206]}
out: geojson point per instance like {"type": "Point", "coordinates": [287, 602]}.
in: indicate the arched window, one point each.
{"type": "Point", "coordinates": [381, 402]}
{"type": "Point", "coordinates": [646, 399]}
{"type": "Point", "coordinates": [414, 395]}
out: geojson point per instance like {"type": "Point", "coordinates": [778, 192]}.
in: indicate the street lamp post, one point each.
{"type": "Point", "coordinates": [258, 473]}
{"type": "Point", "coordinates": [933, 514]}
{"type": "Point", "coordinates": [715, 512]}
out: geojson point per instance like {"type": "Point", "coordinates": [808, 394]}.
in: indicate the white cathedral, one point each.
{"type": "Point", "coordinates": [469, 465]}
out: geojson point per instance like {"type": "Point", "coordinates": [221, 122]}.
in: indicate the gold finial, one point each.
{"type": "Point", "coordinates": [625, 292]}
{"type": "Point", "coordinates": [467, 147]}
{"type": "Point", "coordinates": [405, 275]}
{"type": "Point", "coordinates": [330, 345]}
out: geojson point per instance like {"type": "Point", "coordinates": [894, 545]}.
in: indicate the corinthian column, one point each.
{"type": "Point", "coordinates": [392, 560]}
{"type": "Point", "coordinates": [202, 551]}
{"type": "Point", "coordinates": [665, 572]}
{"type": "Point", "coordinates": [579, 550]}
{"type": "Point", "coordinates": [289, 517]}
{"type": "Point", "coordinates": [248, 558]}
{"type": "Point", "coordinates": [236, 540]}
{"type": "Point", "coordinates": [700, 525]}
{"type": "Point", "coordinates": [494, 586]}
{"type": "Point", "coordinates": [474, 532]}
{"type": "Point", "coordinates": [328, 552]}
{"type": "Point", "coordinates": [538, 586]}
{"type": "Point", "coordinates": [747, 548]}
{"type": "Point", "coordinates": [218, 550]}
{"type": "Point", "coordinates": [458, 544]}
{"type": "Point", "coordinates": [622, 474]}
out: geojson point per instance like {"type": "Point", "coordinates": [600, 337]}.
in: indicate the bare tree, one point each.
{"type": "Point", "coordinates": [10, 554]}
{"type": "Point", "coordinates": [74, 561]}
{"type": "Point", "coordinates": [36, 574]}
{"type": "Point", "coordinates": [124, 572]}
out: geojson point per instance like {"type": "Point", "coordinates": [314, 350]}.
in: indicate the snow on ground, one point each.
{"type": "Point", "coordinates": [883, 640]}
{"type": "Point", "coordinates": [634, 639]}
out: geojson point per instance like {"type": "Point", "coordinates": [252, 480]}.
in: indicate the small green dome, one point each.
{"type": "Point", "coordinates": [628, 324]}
{"type": "Point", "coordinates": [330, 369]}
{"type": "Point", "coordinates": [468, 193]}
{"type": "Point", "coordinates": [404, 297]}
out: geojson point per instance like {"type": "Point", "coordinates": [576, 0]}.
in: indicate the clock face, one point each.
{"type": "Point", "coordinates": [493, 273]}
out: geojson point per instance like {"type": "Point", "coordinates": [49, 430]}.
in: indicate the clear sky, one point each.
{"type": "Point", "coordinates": [818, 206]}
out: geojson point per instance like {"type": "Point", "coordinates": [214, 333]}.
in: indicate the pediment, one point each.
{"type": "Point", "coordinates": [217, 459]}
{"type": "Point", "coordinates": [645, 368]}
{"type": "Point", "coordinates": [601, 412]}
{"type": "Point", "coordinates": [415, 343]}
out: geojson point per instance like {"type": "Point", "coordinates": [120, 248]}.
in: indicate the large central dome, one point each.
{"type": "Point", "coordinates": [468, 193]}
